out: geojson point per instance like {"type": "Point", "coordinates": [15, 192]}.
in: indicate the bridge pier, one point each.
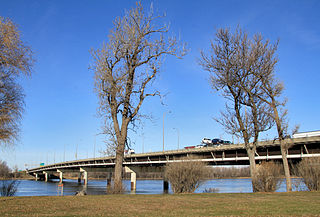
{"type": "Point", "coordinates": [36, 176]}
{"type": "Point", "coordinates": [60, 176]}
{"type": "Point", "coordinates": [85, 176]}
{"type": "Point", "coordinates": [79, 178]}
{"type": "Point", "coordinates": [165, 186]}
{"type": "Point", "coordinates": [46, 176]}
{"type": "Point", "coordinates": [133, 181]}
{"type": "Point", "coordinates": [109, 175]}
{"type": "Point", "coordinates": [133, 176]}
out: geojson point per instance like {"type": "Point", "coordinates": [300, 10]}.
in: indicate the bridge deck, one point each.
{"type": "Point", "coordinates": [222, 155]}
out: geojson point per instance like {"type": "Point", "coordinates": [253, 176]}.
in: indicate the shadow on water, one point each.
{"type": "Point", "coordinates": [98, 187]}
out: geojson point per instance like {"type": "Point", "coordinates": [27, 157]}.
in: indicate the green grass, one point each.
{"type": "Point", "coordinates": [258, 204]}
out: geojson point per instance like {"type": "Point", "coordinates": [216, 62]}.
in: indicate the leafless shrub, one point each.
{"type": "Point", "coordinates": [4, 170]}
{"type": "Point", "coordinates": [186, 176]}
{"type": "Point", "coordinates": [8, 188]}
{"type": "Point", "coordinates": [309, 170]}
{"type": "Point", "coordinates": [211, 190]}
{"type": "Point", "coordinates": [267, 178]}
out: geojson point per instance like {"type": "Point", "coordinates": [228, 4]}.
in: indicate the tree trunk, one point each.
{"type": "Point", "coordinates": [117, 188]}
{"type": "Point", "coordinates": [253, 169]}
{"type": "Point", "coordinates": [285, 165]}
{"type": "Point", "coordinates": [282, 146]}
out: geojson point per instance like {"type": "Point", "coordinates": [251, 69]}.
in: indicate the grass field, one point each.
{"type": "Point", "coordinates": [258, 204]}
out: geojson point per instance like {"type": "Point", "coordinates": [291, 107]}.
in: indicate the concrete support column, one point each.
{"type": "Point", "coordinates": [60, 175]}
{"type": "Point", "coordinates": [79, 178]}
{"type": "Point", "coordinates": [46, 176]}
{"type": "Point", "coordinates": [133, 181]}
{"type": "Point", "coordinates": [133, 178]}
{"type": "Point", "coordinates": [109, 175]}
{"type": "Point", "coordinates": [85, 176]}
{"type": "Point", "coordinates": [36, 176]}
{"type": "Point", "coordinates": [165, 186]}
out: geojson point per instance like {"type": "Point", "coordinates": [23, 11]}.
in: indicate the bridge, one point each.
{"type": "Point", "coordinates": [231, 154]}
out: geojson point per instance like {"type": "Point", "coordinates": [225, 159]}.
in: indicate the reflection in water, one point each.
{"type": "Point", "coordinates": [95, 187]}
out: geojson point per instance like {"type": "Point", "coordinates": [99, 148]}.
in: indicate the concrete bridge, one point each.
{"type": "Point", "coordinates": [155, 161]}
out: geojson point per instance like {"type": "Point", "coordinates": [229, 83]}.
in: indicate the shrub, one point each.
{"type": "Point", "coordinates": [309, 170]}
{"type": "Point", "coordinates": [8, 188]}
{"type": "Point", "coordinates": [268, 177]}
{"type": "Point", "coordinates": [211, 190]}
{"type": "Point", "coordinates": [186, 176]}
{"type": "Point", "coordinates": [4, 169]}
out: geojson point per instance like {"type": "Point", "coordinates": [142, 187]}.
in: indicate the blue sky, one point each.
{"type": "Point", "coordinates": [61, 104]}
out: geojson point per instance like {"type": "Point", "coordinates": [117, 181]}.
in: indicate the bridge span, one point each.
{"type": "Point", "coordinates": [234, 154]}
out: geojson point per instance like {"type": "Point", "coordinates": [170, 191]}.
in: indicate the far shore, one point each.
{"type": "Point", "coordinates": [75, 178]}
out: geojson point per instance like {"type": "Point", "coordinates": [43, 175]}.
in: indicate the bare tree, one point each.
{"type": "Point", "coordinates": [273, 90]}
{"type": "Point", "coordinates": [124, 69]}
{"type": "Point", "coordinates": [15, 60]}
{"type": "Point", "coordinates": [232, 62]}
{"type": "Point", "coordinates": [268, 90]}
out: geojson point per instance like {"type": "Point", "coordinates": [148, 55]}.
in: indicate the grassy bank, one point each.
{"type": "Point", "coordinates": [259, 204]}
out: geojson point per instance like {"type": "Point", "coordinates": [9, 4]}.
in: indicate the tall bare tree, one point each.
{"type": "Point", "coordinates": [232, 60]}
{"type": "Point", "coordinates": [124, 69]}
{"type": "Point", "coordinates": [272, 92]}
{"type": "Point", "coordinates": [15, 60]}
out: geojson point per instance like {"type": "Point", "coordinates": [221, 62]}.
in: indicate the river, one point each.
{"type": "Point", "coordinates": [70, 187]}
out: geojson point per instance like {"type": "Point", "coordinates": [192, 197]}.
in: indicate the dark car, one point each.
{"type": "Point", "coordinates": [217, 141]}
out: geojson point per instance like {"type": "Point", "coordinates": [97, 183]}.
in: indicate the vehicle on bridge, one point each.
{"type": "Point", "coordinates": [206, 141]}
{"type": "Point", "coordinates": [217, 141]}
{"type": "Point", "coordinates": [306, 134]}
{"type": "Point", "coordinates": [128, 152]}
{"type": "Point", "coordinates": [189, 147]}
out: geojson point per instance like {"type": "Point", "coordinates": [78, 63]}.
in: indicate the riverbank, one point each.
{"type": "Point", "coordinates": [252, 204]}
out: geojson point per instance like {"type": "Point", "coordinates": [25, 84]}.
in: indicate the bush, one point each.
{"type": "Point", "coordinates": [4, 169]}
{"type": "Point", "coordinates": [186, 176]}
{"type": "Point", "coordinates": [268, 177]}
{"type": "Point", "coordinates": [211, 190]}
{"type": "Point", "coordinates": [309, 170]}
{"type": "Point", "coordinates": [8, 188]}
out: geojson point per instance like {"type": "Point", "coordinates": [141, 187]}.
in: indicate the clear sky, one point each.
{"type": "Point", "coordinates": [61, 104]}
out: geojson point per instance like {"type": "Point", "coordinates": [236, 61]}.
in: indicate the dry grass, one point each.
{"type": "Point", "coordinates": [257, 204]}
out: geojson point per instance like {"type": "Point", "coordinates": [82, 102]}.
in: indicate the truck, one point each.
{"type": "Point", "coordinates": [306, 134]}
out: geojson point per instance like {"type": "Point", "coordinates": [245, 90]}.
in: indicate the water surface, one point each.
{"type": "Point", "coordinates": [70, 187]}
